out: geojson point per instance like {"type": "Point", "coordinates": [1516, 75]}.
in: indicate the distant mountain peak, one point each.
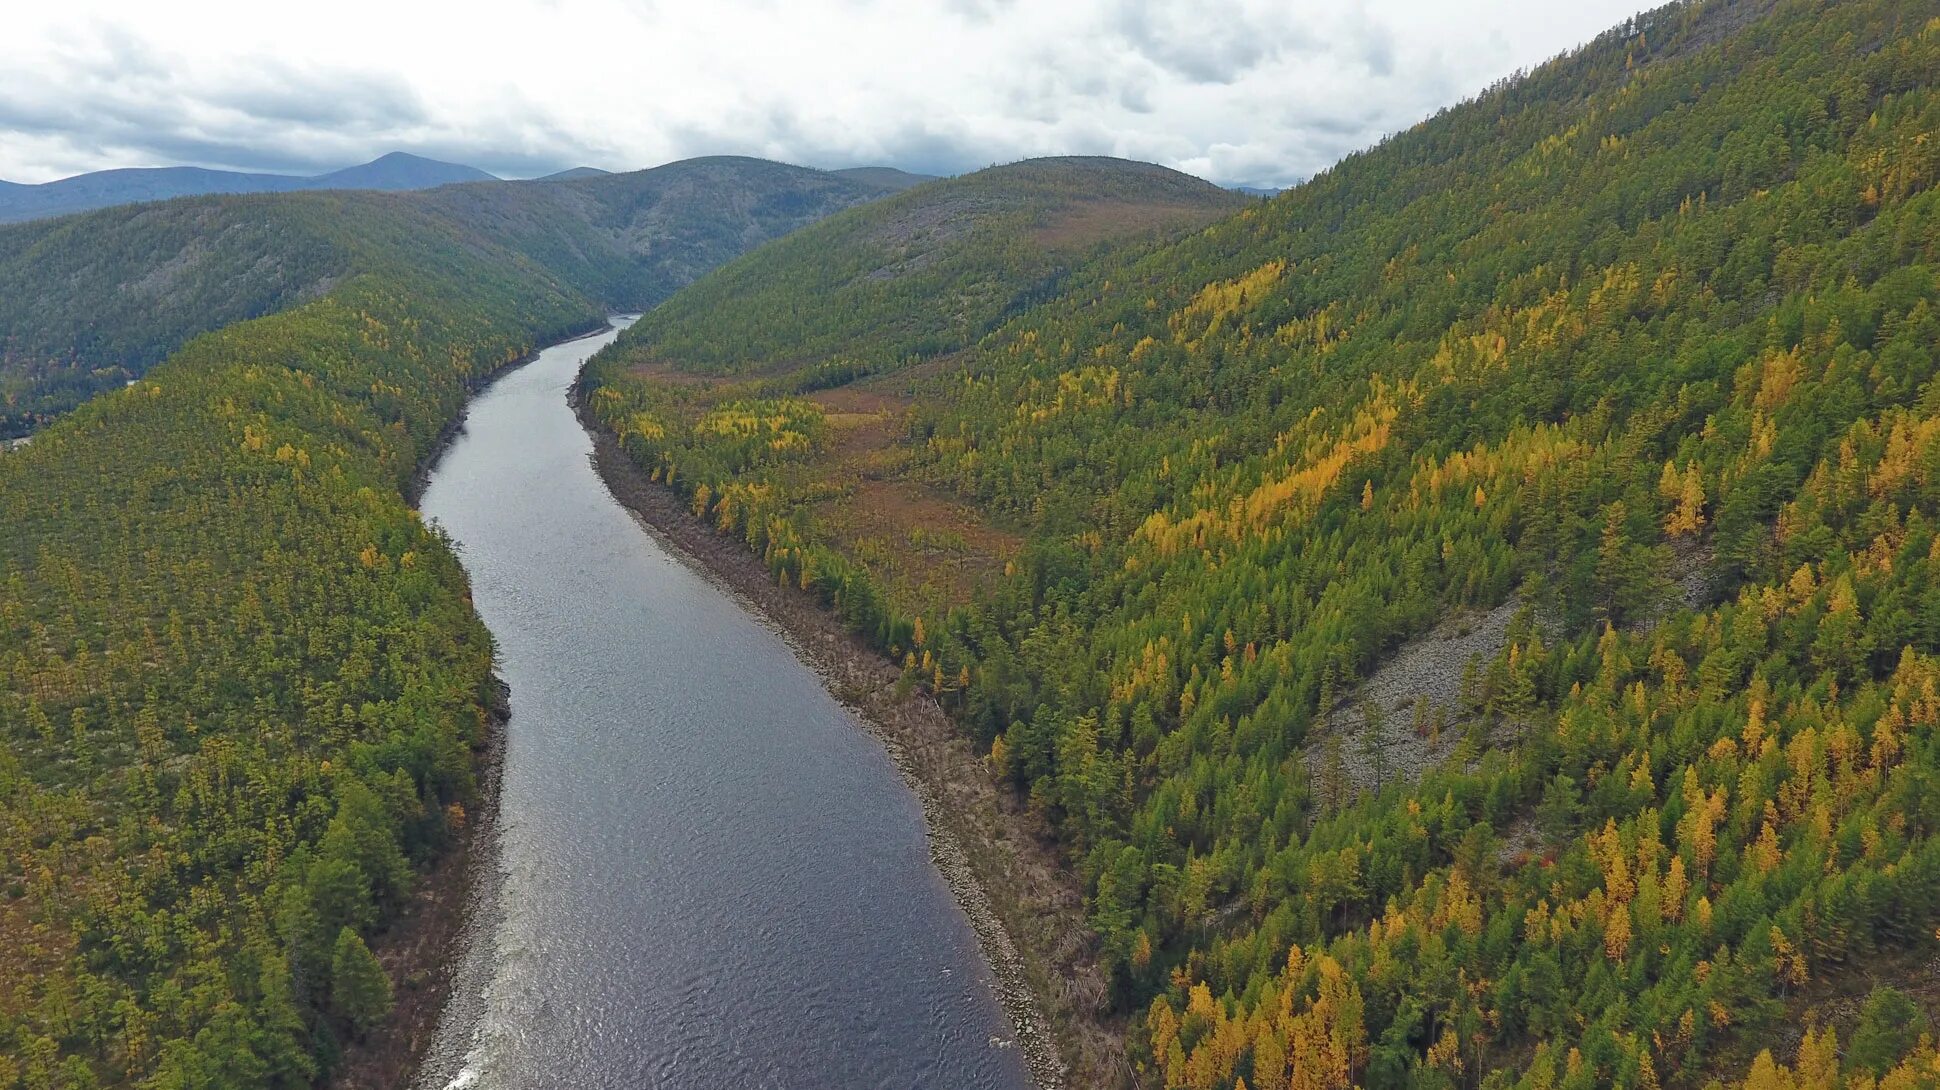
{"type": "Point", "coordinates": [889, 178]}
{"type": "Point", "coordinates": [399, 170]}
{"type": "Point", "coordinates": [571, 173]}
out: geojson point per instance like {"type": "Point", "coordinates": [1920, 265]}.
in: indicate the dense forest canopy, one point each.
{"type": "Point", "coordinates": [241, 683]}
{"type": "Point", "coordinates": [90, 302]}
{"type": "Point", "coordinates": [1474, 619]}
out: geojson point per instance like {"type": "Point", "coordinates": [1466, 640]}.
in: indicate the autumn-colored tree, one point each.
{"type": "Point", "coordinates": [1686, 492]}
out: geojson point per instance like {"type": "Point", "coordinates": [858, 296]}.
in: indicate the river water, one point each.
{"type": "Point", "coordinates": [710, 875]}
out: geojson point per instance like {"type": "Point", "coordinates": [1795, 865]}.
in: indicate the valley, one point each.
{"type": "Point", "coordinates": [1466, 620]}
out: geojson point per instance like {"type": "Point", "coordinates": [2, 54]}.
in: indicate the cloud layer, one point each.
{"type": "Point", "coordinates": [1251, 92]}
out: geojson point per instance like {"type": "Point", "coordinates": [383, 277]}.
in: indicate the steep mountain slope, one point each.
{"type": "Point", "coordinates": [268, 681]}
{"type": "Point", "coordinates": [930, 269]}
{"type": "Point", "coordinates": [89, 302]}
{"type": "Point", "coordinates": [1644, 341]}
{"type": "Point", "coordinates": [103, 188]}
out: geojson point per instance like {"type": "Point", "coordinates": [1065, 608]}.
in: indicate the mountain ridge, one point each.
{"type": "Point", "coordinates": [887, 177]}
{"type": "Point", "coordinates": [124, 185]}
{"type": "Point", "coordinates": [571, 173]}
{"type": "Point", "coordinates": [392, 171]}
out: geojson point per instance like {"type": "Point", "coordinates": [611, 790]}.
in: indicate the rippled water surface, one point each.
{"type": "Point", "coordinates": [712, 876]}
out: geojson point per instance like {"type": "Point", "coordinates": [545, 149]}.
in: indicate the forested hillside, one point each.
{"type": "Point", "coordinates": [1618, 378]}
{"type": "Point", "coordinates": [242, 688]}
{"type": "Point", "coordinates": [926, 271]}
{"type": "Point", "coordinates": [89, 302]}
{"type": "Point", "coordinates": [757, 364]}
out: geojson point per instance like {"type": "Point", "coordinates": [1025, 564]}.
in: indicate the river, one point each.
{"type": "Point", "coordinates": [710, 875]}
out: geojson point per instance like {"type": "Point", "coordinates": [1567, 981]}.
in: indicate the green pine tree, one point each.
{"type": "Point", "coordinates": [360, 992]}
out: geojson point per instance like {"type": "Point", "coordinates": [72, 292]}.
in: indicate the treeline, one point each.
{"type": "Point", "coordinates": [1646, 338]}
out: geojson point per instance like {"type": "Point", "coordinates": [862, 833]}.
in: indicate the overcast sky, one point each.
{"type": "Point", "coordinates": [1252, 92]}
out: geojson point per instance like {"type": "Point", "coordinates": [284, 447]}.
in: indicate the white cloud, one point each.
{"type": "Point", "coordinates": [1240, 91]}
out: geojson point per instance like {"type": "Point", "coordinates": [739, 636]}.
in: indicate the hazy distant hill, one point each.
{"type": "Point", "coordinates": [104, 188]}
{"type": "Point", "coordinates": [667, 226]}
{"type": "Point", "coordinates": [88, 302]}
{"type": "Point", "coordinates": [886, 177]}
{"type": "Point", "coordinates": [571, 173]}
{"type": "Point", "coordinates": [397, 170]}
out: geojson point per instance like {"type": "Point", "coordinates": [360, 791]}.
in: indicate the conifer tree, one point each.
{"type": "Point", "coordinates": [360, 990]}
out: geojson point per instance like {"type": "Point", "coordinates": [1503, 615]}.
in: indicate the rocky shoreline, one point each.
{"type": "Point", "coordinates": [998, 860]}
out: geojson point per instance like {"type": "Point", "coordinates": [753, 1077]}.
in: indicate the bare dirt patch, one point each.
{"type": "Point", "coordinates": [861, 399]}
{"type": "Point", "coordinates": [1425, 671]}
{"type": "Point", "coordinates": [1690, 573]}
{"type": "Point", "coordinates": [1686, 583]}
{"type": "Point", "coordinates": [861, 421]}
